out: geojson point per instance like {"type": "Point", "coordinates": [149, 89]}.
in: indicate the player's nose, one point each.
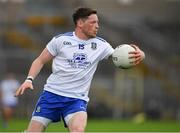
{"type": "Point", "coordinates": [97, 26]}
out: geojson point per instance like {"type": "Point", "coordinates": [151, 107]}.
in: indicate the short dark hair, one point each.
{"type": "Point", "coordinates": [82, 12]}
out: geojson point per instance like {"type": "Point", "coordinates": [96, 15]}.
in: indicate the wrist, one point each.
{"type": "Point", "coordinates": [29, 79]}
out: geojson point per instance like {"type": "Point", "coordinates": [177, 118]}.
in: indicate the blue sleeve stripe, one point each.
{"type": "Point", "coordinates": [101, 39]}
{"type": "Point", "coordinates": [65, 34]}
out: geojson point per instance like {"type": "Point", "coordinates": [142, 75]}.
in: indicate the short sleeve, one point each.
{"type": "Point", "coordinates": [52, 47]}
{"type": "Point", "coordinates": [107, 51]}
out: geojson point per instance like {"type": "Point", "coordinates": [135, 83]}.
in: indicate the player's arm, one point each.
{"type": "Point", "coordinates": [138, 55]}
{"type": "Point", "coordinates": [35, 68]}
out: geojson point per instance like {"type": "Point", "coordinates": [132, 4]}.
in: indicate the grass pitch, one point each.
{"type": "Point", "coordinates": [103, 126]}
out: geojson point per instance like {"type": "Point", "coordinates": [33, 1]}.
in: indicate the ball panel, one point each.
{"type": "Point", "coordinates": [121, 56]}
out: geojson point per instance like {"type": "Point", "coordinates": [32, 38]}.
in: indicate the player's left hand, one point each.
{"type": "Point", "coordinates": [138, 55]}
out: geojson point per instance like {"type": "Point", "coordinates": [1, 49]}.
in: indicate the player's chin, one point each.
{"type": "Point", "coordinates": [92, 35]}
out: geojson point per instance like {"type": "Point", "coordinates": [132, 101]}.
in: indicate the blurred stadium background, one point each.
{"type": "Point", "coordinates": [151, 89]}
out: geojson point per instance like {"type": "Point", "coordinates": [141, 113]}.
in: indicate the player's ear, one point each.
{"type": "Point", "coordinates": [80, 22]}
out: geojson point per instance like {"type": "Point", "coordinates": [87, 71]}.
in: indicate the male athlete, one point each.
{"type": "Point", "coordinates": [75, 58]}
{"type": "Point", "coordinates": [8, 102]}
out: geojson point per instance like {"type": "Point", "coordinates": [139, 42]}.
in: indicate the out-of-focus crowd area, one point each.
{"type": "Point", "coordinates": [151, 88]}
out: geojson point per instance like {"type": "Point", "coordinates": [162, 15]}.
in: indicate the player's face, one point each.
{"type": "Point", "coordinates": [90, 26]}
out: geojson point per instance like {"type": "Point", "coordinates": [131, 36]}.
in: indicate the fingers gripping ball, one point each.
{"type": "Point", "coordinates": [121, 58]}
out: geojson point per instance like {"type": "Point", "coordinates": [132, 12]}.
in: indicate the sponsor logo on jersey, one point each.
{"type": "Point", "coordinates": [67, 43]}
{"type": "Point", "coordinates": [79, 61]}
{"type": "Point", "coordinates": [94, 45]}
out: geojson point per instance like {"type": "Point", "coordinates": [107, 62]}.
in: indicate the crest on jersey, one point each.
{"type": "Point", "coordinates": [94, 45]}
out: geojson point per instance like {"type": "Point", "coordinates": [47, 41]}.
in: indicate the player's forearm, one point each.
{"type": "Point", "coordinates": [39, 62]}
{"type": "Point", "coordinates": [35, 68]}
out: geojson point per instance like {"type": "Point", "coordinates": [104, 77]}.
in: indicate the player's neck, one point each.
{"type": "Point", "coordinates": [81, 35]}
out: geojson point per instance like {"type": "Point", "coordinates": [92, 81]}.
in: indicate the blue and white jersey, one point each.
{"type": "Point", "coordinates": [74, 64]}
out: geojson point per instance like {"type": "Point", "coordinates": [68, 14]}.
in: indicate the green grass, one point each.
{"type": "Point", "coordinates": [104, 126]}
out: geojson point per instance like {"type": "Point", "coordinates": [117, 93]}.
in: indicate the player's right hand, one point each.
{"type": "Point", "coordinates": [26, 85]}
{"type": "Point", "coordinates": [138, 55]}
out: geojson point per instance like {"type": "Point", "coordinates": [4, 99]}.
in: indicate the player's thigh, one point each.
{"type": "Point", "coordinates": [78, 122]}
{"type": "Point", "coordinates": [35, 126]}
